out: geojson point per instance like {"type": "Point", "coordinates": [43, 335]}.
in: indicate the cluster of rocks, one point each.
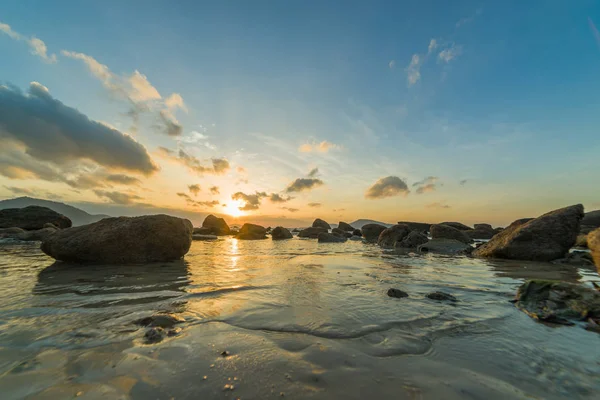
{"type": "Point", "coordinates": [31, 223]}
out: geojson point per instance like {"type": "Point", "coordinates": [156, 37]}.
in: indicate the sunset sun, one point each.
{"type": "Point", "coordinates": [233, 208]}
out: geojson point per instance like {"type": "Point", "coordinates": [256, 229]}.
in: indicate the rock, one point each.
{"type": "Point", "coordinates": [32, 218]}
{"type": "Point", "coordinates": [123, 240]}
{"type": "Point", "coordinates": [441, 296]}
{"type": "Point", "coordinates": [252, 232]}
{"type": "Point", "coordinates": [487, 227]}
{"type": "Point", "coordinates": [581, 241]}
{"type": "Point", "coordinates": [154, 335]}
{"type": "Point", "coordinates": [345, 227]}
{"type": "Point", "coordinates": [296, 230]}
{"type": "Point", "coordinates": [371, 232]}
{"type": "Point", "coordinates": [204, 237]}
{"type": "Point", "coordinates": [49, 225]}
{"type": "Point", "coordinates": [558, 302]}
{"type": "Point", "coordinates": [280, 233]}
{"type": "Point", "coordinates": [11, 233]}
{"type": "Point", "coordinates": [444, 246]}
{"type": "Point", "coordinates": [443, 231]}
{"type": "Point", "coordinates": [545, 238]}
{"type": "Point", "coordinates": [36, 236]}
{"type": "Point", "coordinates": [390, 236]}
{"type": "Point", "coordinates": [202, 231]}
{"type": "Point", "coordinates": [457, 225]}
{"type": "Point", "coordinates": [319, 223]}
{"type": "Point", "coordinates": [593, 240]}
{"type": "Point", "coordinates": [325, 237]}
{"type": "Point", "coordinates": [311, 232]}
{"type": "Point", "coordinates": [355, 238]}
{"type": "Point", "coordinates": [174, 332]}
{"type": "Point", "coordinates": [480, 232]}
{"type": "Point", "coordinates": [590, 221]}
{"type": "Point", "coordinates": [218, 226]}
{"type": "Point", "coordinates": [412, 240]}
{"type": "Point", "coordinates": [341, 233]}
{"type": "Point", "coordinates": [357, 232]}
{"type": "Point", "coordinates": [577, 258]}
{"type": "Point", "coordinates": [416, 226]}
{"type": "Point", "coordinates": [397, 293]}
{"type": "Point", "coordinates": [162, 320]}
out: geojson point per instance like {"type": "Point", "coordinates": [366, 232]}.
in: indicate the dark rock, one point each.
{"type": "Point", "coordinates": [558, 302]}
{"type": "Point", "coordinates": [443, 231]}
{"type": "Point", "coordinates": [123, 240]}
{"type": "Point", "coordinates": [413, 240]}
{"type": "Point", "coordinates": [355, 238]}
{"type": "Point", "coordinates": [154, 335]}
{"type": "Point", "coordinates": [12, 233]}
{"type": "Point", "coordinates": [296, 230]}
{"type": "Point", "coordinates": [480, 232]}
{"type": "Point", "coordinates": [225, 353]}
{"type": "Point", "coordinates": [357, 232]}
{"type": "Point", "coordinates": [218, 226]}
{"type": "Point", "coordinates": [483, 226]}
{"type": "Point", "coordinates": [162, 320]}
{"type": "Point", "coordinates": [397, 293]}
{"type": "Point", "coordinates": [389, 237]}
{"type": "Point", "coordinates": [545, 238]}
{"type": "Point", "coordinates": [325, 237]}
{"type": "Point", "coordinates": [345, 227]}
{"type": "Point", "coordinates": [593, 240]}
{"type": "Point", "coordinates": [205, 238]}
{"type": "Point", "coordinates": [203, 231]}
{"type": "Point", "coordinates": [319, 223]}
{"type": "Point", "coordinates": [37, 236]}
{"type": "Point", "coordinates": [416, 226]}
{"type": "Point", "coordinates": [32, 218]}
{"type": "Point", "coordinates": [441, 296]}
{"type": "Point", "coordinates": [577, 258]}
{"type": "Point", "coordinates": [341, 233]}
{"type": "Point", "coordinates": [445, 246]}
{"type": "Point", "coordinates": [371, 232]}
{"type": "Point", "coordinates": [311, 232]}
{"type": "Point", "coordinates": [458, 225]}
{"type": "Point", "coordinates": [252, 232]}
{"type": "Point", "coordinates": [590, 221]}
{"type": "Point", "coordinates": [280, 233]}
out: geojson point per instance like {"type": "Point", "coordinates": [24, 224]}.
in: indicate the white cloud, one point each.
{"type": "Point", "coordinates": [322, 147]}
{"type": "Point", "coordinates": [140, 89]}
{"type": "Point", "coordinates": [37, 46]}
{"type": "Point", "coordinates": [449, 53]}
{"type": "Point", "coordinates": [392, 64]}
{"type": "Point", "coordinates": [432, 46]}
{"type": "Point", "coordinates": [413, 70]}
{"type": "Point", "coordinates": [175, 101]}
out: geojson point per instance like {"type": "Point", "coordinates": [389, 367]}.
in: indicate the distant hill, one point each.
{"type": "Point", "coordinates": [359, 223]}
{"type": "Point", "coordinates": [76, 215]}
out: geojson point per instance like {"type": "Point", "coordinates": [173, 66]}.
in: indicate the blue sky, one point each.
{"type": "Point", "coordinates": [492, 106]}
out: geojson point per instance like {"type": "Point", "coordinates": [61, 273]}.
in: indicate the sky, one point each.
{"type": "Point", "coordinates": [472, 111]}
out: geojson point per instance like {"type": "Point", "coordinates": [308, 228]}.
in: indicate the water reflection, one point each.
{"type": "Point", "coordinates": [523, 270]}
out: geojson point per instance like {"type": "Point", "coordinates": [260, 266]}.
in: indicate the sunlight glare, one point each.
{"type": "Point", "coordinates": [233, 208]}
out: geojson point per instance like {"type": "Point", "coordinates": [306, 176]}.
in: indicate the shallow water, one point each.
{"type": "Point", "coordinates": [299, 319]}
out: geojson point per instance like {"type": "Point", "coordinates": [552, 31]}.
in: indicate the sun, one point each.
{"type": "Point", "coordinates": [233, 208]}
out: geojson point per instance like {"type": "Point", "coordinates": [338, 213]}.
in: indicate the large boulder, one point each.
{"type": "Point", "coordinates": [123, 240]}
{"type": "Point", "coordinates": [458, 225]}
{"type": "Point", "coordinates": [371, 232]}
{"type": "Point", "coordinates": [325, 237]}
{"type": "Point", "coordinates": [443, 231]}
{"type": "Point", "coordinates": [311, 232]}
{"type": "Point", "coordinates": [445, 246]}
{"type": "Point", "coordinates": [389, 237]}
{"type": "Point", "coordinates": [416, 226]}
{"type": "Point", "coordinates": [319, 223]}
{"type": "Point", "coordinates": [590, 221]}
{"type": "Point", "coordinates": [593, 242]}
{"type": "Point", "coordinates": [280, 233]}
{"type": "Point", "coordinates": [32, 218]}
{"type": "Point", "coordinates": [558, 302]}
{"type": "Point", "coordinates": [345, 227]}
{"type": "Point", "coordinates": [217, 226]}
{"type": "Point", "coordinates": [252, 232]}
{"type": "Point", "coordinates": [545, 238]}
{"type": "Point", "coordinates": [412, 240]}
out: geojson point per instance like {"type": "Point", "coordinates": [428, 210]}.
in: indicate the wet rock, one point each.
{"type": "Point", "coordinates": [202, 231]}
{"type": "Point", "coordinates": [441, 296]}
{"type": "Point", "coordinates": [218, 226]}
{"type": "Point", "coordinates": [162, 320]}
{"type": "Point", "coordinates": [357, 232]}
{"type": "Point", "coordinates": [325, 237]}
{"type": "Point", "coordinates": [154, 335]}
{"type": "Point", "coordinates": [311, 232]}
{"type": "Point", "coordinates": [341, 233]}
{"type": "Point", "coordinates": [416, 226]}
{"type": "Point", "coordinates": [281, 233]}
{"type": "Point", "coordinates": [390, 236]}
{"type": "Point", "coordinates": [205, 237]}
{"type": "Point", "coordinates": [545, 238]}
{"type": "Point", "coordinates": [32, 218]}
{"type": "Point", "coordinates": [445, 246]}
{"type": "Point", "coordinates": [413, 240]}
{"type": "Point", "coordinates": [174, 332]}
{"type": "Point", "coordinates": [593, 240]}
{"type": "Point", "coordinates": [319, 223]}
{"type": "Point", "coordinates": [123, 240]}
{"type": "Point", "coordinates": [252, 232]}
{"type": "Point", "coordinates": [558, 302]}
{"type": "Point", "coordinates": [225, 353]}
{"type": "Point", "coordinates": [443, 231]}
{"type": "Point", "coordinates": [371, 232]}
{"type": "Point", "coordinates": [577, 258]}
{"type": "Point", "coordinates": [397, 293]}
{"type": "Point", "coordinates": [457, 225]}
{"type": "Point", "coordinates": [345, 227]}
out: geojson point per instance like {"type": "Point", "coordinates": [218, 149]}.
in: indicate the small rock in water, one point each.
{"type": "Point", "coordinates": [174, 332]}
{"type": "Point", "coordinates": [441, 296]}
{"type": "Point", "coordinates": [161, 320]}
{"type": "Point", "coordinates": [392, 292]}
{"type": "Point", "coordinates": [225, 354]}
{"type": "Point", "coordinates": [154, 335]}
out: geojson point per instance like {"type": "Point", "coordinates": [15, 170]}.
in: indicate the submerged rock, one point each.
{"type": "Point", "coordinates": [355, 238]}
{"type": "Point", "coordinates": [204, 237]}
{"type": "Point", "coordinates": [371, 232]}
{"type": "Point", "coordinates": [311, 232]}
{"type": "Point", "coordinates": [593, 240]}
{"type": "Point", "coordinates": [154, 335]}
{"type": "Point", "coordinates": [281, 233]}
{"type": "Point", "coordinates": [441, 296]}
{"type": "Point", "coordinates": [217, 226]}
{"type": "Point", "coordinates": [445, 246]}
{"type": "Point", "coordinates": [443, 231]}
{"type": "Point", "coordinates": [319, 223]}
{"type": "Point", "coordinates": [162, 320]}
{"type": "Point", "coordinates": [252, 232]}
{"type": "Point", "coordinates": [397, 293]}
{"type": "Point", "coordinates": [389, 237]}
{"type": "Point", "coordinates": [558, 302]}
{"type": "Point", "coordinates": [577, 258]}
{"type": "Point", "coordinates": [412, 240]}
{"type": "Point", "coordinates": [32, 218]}
{"type": "Point", "coordinates": [345, 227]}
{"type": "Point", "coordinates": [122, 240]}
{"type": "Point", "coordinates": [325, 237]}
{"type": "Point", "coordinates": [545, 238]}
